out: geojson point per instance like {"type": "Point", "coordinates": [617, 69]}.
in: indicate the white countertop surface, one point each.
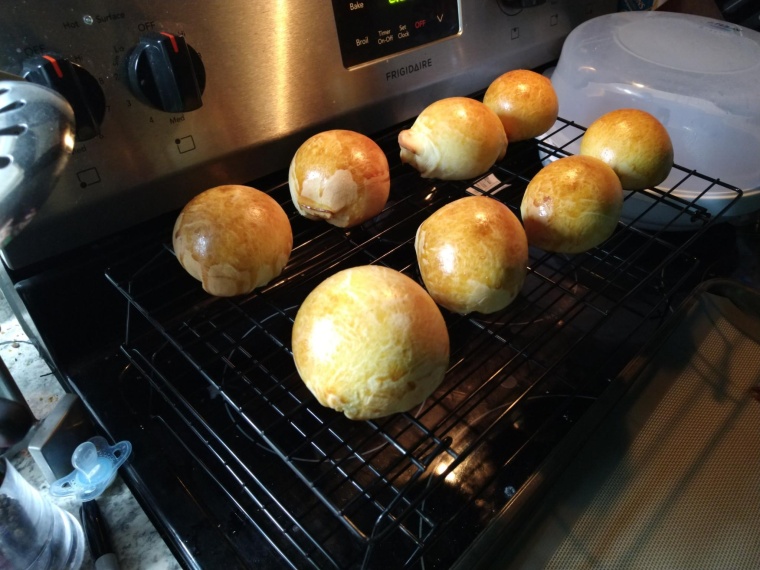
{"type": "Point", "coordinates": [136, 542]}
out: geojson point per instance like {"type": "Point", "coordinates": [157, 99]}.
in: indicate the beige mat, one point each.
{"type": "Point", "coordinates": [671, 479]}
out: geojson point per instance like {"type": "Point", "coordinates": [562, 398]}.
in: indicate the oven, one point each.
{"type": "Point", "coordinates": [233, 459]}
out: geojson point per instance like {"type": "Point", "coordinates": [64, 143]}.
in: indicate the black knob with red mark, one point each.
{"type": "Point", "coordinates": [166, 72]}
{"type": "Point", "coordinates": [78, 86]}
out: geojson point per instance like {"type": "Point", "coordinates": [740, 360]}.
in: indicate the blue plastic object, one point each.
{"type": "Point", "coordinates": [95, 466]}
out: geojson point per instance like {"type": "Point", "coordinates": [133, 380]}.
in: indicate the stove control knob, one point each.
{"type": "Point", "coordinates": [78, 87]}
{"type": "Point", "coordinates": [167, 73]}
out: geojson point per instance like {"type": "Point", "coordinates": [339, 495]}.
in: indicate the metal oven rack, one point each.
{"type": "Point", "coordinates": [412, 490]}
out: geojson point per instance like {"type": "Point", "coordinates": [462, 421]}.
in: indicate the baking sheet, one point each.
{"type": "Point", "coordinates": [670, 478]}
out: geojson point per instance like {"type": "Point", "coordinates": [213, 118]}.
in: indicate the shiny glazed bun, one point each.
{"type": "Point", "coordinates": [525, 101]}
{"type": "Point", "coordinates": [572, 205]}
{"type": "Point", "coordinates": [339, 176]}
{"type": "Point", "coordinates": [472, 255]}
{"type": "Point", "coordinates": [454, 139]}
{"type": "Point", "coordinates": [369, 342]}
{"type": "Point", "coordinates": [634, 143]}
{"type": "Point", "coordinates": [232, 239]}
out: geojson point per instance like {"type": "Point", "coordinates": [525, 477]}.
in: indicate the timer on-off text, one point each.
{"type": "Point", "coordinates": [375, 30]}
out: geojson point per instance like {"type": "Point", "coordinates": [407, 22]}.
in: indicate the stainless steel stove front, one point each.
{"type": "Point", "coordinates": [248, 82]}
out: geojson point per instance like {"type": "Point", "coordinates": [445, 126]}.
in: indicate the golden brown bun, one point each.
{"type": "Point", "coordinates": [525, 101]}
{"type": "Point", "coordinates": [232, 239]}
{"type": "Point", "coordinates": [572, 205]}
{"type": "Point", "coordinates": [454, 139]}
{"type": "Point", "coordinates": [634, 143]}
{"type": "Point", "coordinates": [339, 176]}
{"type": "Point", "coordinates": [473, 255]}
{"type": "Point", "coordinates": [370, 342]}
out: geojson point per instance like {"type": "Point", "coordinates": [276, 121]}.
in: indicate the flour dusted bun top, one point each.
{"type": "Point", "coordinates": [339, 176]}
{"type": "Point", "coordinates": [369, 342]}
{"type": "Point", "coordinates": [473, 255]}
{"type": "Point", "coordinates": [634, 144]}
{"type": "Point", "coordinates": [525, 102]}
{"type": "Point", "coordinates": [232, 239]}
{"type": "Point", "coordinates": [454, 139]}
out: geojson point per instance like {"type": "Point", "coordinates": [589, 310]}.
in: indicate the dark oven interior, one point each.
{"type": "Point", "coordinates": [238, 464]}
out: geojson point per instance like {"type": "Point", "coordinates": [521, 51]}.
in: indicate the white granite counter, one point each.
{"type": "Point", "coordinates": [135, 540]}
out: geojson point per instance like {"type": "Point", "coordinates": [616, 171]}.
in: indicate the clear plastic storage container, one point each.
{"type": "Point", "coordinates": [700, 77]}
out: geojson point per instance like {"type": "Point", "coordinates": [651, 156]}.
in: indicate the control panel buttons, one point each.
{"type": "Point", "coordinates": [369, 31]}
{"type": "Point", "coordinates": [78, 86]}
{"type": "Point", "coordinates": [166, 72]}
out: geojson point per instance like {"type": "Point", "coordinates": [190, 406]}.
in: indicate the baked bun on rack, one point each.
{"type": "Point", "coordinates": [339, 176]}
{"type": "Point", "coordinates": [634, 144]}
{"type": "Point", "coordinates": [473, 255]}
{"type": "Point", "coordinates": [457, 138]}
{"type": "Point", "coordinates": [572, 205]}
{"type": "Point", "coordinates": [232, 239]}
{"type": "Point", "coordinates": [525, 101]}
{"type": "Point", "coordinates": [369, 342]}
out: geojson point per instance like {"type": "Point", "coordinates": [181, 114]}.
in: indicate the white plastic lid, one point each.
{"type": "Point", "coordinates": [689, 46]}
{"type": "Point", "coordinates": [700, 77]}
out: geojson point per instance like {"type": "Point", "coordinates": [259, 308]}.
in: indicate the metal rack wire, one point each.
{"type": "Point", "coordinates": [414, 489]}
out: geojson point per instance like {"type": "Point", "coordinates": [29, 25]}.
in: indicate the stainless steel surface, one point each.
{"type": "Point", "coordinates": [273, 75]}
{"type": "Point", "coordinates": [58, 435]}
{"type": "Point", "coordinates": [36, 139]}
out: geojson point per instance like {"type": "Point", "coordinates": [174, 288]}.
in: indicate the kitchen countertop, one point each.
{"type": "Point", "coordinates": [136, 542]}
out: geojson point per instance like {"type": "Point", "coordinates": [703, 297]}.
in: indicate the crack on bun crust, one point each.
{"type": "Point", "coordinates": [232, 238]}
{"type": "Point", "coordinates": [339, 176]}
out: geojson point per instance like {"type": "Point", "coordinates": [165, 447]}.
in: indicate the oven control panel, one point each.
{"type": "Point", "coordinates": [370, 30]}
{"type": "Point", "coordinates": [174, 97]}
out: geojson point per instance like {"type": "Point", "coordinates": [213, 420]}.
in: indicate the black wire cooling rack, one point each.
{"type": "Point", "coordinates": [414, 489]}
